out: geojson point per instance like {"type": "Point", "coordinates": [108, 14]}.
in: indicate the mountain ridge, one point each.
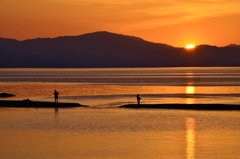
{"type": "Point", "coordinates": [105, 49]}
{"type": "Point", "coordinates": [106, 32]}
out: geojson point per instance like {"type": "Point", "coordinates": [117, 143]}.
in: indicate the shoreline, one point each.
{"type": "Point", "coordinates": [183, 106]}
{"type": "Point", "coordinates": [6, 95]}
{"type": "Point", "coordinates": [37, 104]}
{"type": "Point", "coordinates": [41, 104]}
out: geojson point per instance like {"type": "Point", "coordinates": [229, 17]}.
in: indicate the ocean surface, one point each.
{"type": "Point", "coordinates": [105, 131]}
{"type": "Point", "coordinates": [109, 87]}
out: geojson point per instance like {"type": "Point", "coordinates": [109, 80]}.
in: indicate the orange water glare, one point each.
{"type": "Point", "coordinates": [190, 138]}
{"type": "Point", "coordinates": [71, 91]}
{"type": "Point", "coordinates": [190, 90]}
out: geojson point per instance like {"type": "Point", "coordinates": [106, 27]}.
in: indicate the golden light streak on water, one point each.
{"type": "Point", "coordinates": [190, 90]}
{"type": "Point", "coordinates": [190, 138]}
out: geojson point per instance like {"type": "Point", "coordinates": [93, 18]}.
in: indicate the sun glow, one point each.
{"type": "Point", "coordinates": [189, 46]}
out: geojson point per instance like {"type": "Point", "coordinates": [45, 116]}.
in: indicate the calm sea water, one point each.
{"type": "Point", "coordinates": [116, 86]}
{"type": "Point", "coordinates": [105, 131]}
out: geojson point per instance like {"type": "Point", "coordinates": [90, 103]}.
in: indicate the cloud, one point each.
{"type": "Point", "coordinates": [155, 12]}
{"type": "Point", "coordinates": [121, 14]}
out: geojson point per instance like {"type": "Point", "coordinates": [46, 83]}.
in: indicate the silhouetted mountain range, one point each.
{"type": "Point", "coordinates": [104, 49]}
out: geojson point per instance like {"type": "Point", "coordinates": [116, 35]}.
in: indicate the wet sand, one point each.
{"type": "Point", "coordinates": [41, 104]}
{"type": "Point", "coordinates": [5, 95]}
{"type": "Point", "coordinates": [185, 106]}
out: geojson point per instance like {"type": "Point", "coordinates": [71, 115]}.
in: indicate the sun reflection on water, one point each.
{"type": "Point", "coordinates": [190, 90]}
{"type": "Point", "coordinates": [190, 138]}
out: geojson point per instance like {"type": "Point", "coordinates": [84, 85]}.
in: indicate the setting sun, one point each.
{"type": "Point", "coordinates": [190, 46]}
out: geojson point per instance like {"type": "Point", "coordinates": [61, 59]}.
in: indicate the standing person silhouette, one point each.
{"type": "Point", "coordinates": [138, 99]}
{"type": "Point", "coordinates": [56, 96]}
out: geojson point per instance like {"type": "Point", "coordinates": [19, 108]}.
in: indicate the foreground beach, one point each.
{"type": "Point", "coordinates": [185, 106]}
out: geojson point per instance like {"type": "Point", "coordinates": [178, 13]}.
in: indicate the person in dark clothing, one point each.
{"type": "Point", "coordinates": [56, 96]}
{"type": "Point", "coordinates": [138, 99]}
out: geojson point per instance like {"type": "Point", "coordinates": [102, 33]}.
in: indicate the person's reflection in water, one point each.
{"type": "Point", "coordinates": [56, 112]}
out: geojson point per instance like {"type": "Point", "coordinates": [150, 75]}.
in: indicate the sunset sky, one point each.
{"type": "Point", "coordinates": [173, 22]}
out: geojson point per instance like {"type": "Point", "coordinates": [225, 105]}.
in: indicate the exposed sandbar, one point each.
{"type": "Point", "coordinates": [185, 106]}
{"type": "Point", "coordinates": [5, 95]}
{"type": "Point", "coordinates": [37, 104]}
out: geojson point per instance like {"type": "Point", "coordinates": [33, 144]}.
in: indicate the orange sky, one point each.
{"type": "Point", "coordinates": [174, 22]}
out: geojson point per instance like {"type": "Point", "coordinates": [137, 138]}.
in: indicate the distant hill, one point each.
{"type": "Point", "coordinates": [233, 45]}
{"type": "Point", "coordinates": [104, 49]}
